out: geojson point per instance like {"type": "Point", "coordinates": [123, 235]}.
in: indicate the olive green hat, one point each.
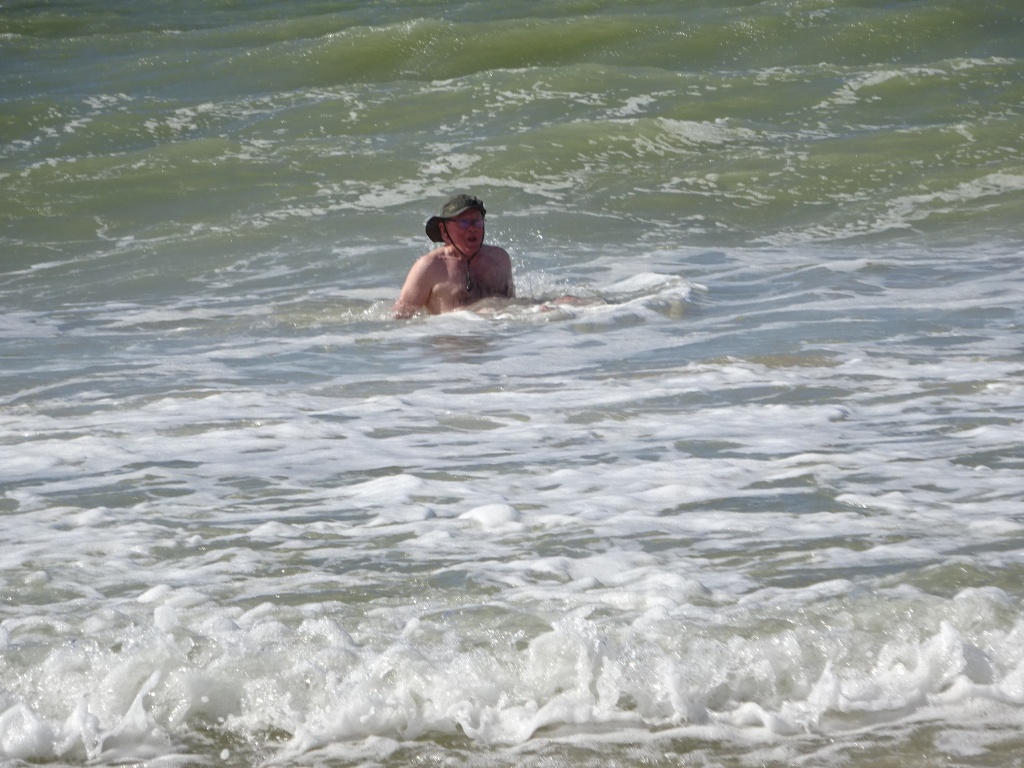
{"type": "Point", "coordinates": [451, 208]}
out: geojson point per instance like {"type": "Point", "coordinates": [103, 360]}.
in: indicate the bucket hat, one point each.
{"type": "Point", "coordinates": [451, 208]}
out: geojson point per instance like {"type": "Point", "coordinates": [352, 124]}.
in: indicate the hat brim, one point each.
{"type": "Point", "coordinates": [433, 229]}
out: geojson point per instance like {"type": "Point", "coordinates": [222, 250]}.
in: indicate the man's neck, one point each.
{"type": "Point", "coordinates": [462, 254]}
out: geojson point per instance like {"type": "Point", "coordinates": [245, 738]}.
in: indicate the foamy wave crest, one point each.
{"type": "Point", "coordinates": [132, 684]}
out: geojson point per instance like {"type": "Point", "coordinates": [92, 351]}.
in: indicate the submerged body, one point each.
{"type": "Point", "coordinates": [463, 270]}
{"type": "Point", "coordinates": [444, 280]}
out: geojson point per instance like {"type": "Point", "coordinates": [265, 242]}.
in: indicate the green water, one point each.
{"type": "Point", "coordinates": [234, 125]}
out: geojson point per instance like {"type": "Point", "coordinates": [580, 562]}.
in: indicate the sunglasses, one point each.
{"type": "Point", "coordinates": [465, 224]}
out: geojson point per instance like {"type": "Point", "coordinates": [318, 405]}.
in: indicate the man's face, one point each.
{"type": "Point", "coordinates": [465, 231]}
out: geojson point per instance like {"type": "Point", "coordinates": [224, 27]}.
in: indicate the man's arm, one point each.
{"type": "Point", "coordinates": [416, 290]}
{"type": "Point", "coordinates": [506, 262]}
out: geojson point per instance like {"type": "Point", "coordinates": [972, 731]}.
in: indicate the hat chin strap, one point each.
{"type": "Point", "coordinates": [466, 256]}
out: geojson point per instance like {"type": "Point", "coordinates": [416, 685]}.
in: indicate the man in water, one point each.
{"type": "Point", "coordinates": [461, 272]}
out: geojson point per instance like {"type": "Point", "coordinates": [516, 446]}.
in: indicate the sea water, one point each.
{"type": "Point", "coordinates": [755, 501]}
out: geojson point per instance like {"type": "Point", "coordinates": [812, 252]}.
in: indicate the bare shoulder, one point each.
{"type": "Point", "coordinates": [495, 251]}
{"type": "Point", "coordinates": [498, 257]}
{"type": "Point", "coordinates": [430, 259]}
{"type": "Point", "coordinates": [428, 269]}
